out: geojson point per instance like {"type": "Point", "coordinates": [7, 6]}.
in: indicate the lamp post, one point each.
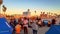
{"type": "Point", "coordinates": [1, 1]}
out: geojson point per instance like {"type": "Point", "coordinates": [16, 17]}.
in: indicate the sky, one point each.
{"type": "Point", "coordinates": [19, 6]}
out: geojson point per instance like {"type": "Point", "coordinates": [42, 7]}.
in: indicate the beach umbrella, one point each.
{"type": "Point", "coordinates": [5, 27]}
{"type": "Point", "coordinates": [54, 29]}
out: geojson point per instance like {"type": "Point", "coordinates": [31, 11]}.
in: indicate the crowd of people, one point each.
{"type": "Point", "coordinates": [25, 23]}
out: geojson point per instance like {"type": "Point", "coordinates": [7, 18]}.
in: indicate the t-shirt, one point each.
{"type": "Point", "coordinates": [25, 23]}
{"type": "Point", "coordinates": [18, 28]}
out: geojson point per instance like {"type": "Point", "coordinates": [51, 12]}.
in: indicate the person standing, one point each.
{"type": "Point", "coordinates": [49, 23]}
{"type": "Point", "coordinates": [53, 21]}
{"type": "Point", "coordinates": [12, 25]}
{"type": "Point", "coordinates": [40, 23]}
{"type": "Point", "coordinates": [18, 28]}
{"type": "Point", "coordinates": [25, 22]}
{"type": "Point", "coordinates": [34, 27]}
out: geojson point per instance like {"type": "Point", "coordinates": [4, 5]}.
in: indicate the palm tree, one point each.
{"type": "Point", "coordinates": [28, 10]}
{"type": "Point", "coordinates": [51, 14]}
{"type": "Point", "coordinates": [4, 9]}
{"type": "Point", "coordinates": [1, 1]}
{"type": "Point", "coordinates": [48, 13]}
{"type": "Point", "coordinates": [35, 12]}
{"type": "Point", "coordinates": [41, 12]}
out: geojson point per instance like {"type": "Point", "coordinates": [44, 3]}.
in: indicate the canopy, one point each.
{"type": "Point", "coordinates": [5, 28]}
{"type": "Point", "coordinates": [55, 29]}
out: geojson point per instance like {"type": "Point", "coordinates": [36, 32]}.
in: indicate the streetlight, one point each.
{"type": "Point", "coordinates": [1, 1]}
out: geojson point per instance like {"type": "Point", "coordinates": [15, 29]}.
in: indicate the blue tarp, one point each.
{"type": "Point", "coordinates": [45, 22]}
{"type": "Point", "coordinates": [5, 28]}
{"type": "Point", "coordinates": [55, 29]}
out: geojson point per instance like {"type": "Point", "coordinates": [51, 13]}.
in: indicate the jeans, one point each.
{"type": "Point", "coordinates": [34, 31]}
{"type": "Point", "coordinates": [25, 30]}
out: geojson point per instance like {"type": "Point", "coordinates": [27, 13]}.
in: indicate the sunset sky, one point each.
{"type": "Point", "coordinates": [19, 6]}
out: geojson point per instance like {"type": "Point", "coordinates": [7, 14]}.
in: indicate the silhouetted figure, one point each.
{"type": "Point", "coordinates": [18, 28]}
{"type": "Point", "coordinates": [25, 22]}
{"type": "Point", "coordinates": [49, 23]}
{"type": "Point", "coordinates": [12, 24]}
{"type": "Point", "coordinates": [15, 22]}
{"type": "Point", "coordinates": [21, 22]}
{"type": "Point", "coordinates": [53, 21]}
{"type": "Point", "coordinates": [34, 27]}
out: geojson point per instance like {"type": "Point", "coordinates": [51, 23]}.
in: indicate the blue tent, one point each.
{"type": "Point", "coordinates": [5, 28]}
{"type": "Point", "coordinates": [55, 29]}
